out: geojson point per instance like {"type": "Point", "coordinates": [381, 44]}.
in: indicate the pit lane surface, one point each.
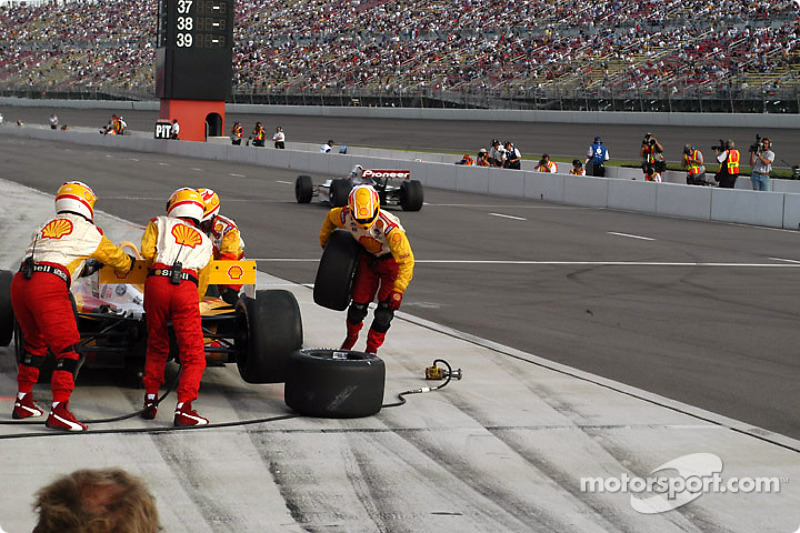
{"type": "Point", "coordinates": [704, 313]}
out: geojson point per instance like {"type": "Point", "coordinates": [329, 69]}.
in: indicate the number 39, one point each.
{"type": "Point", "coordinates": [184, 40]}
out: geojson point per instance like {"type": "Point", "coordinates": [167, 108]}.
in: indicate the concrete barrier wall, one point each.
{"type": "Point", "coordinates": [772, 209]}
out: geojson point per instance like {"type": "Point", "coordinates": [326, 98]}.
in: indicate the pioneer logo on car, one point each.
{"type": "Point", "coordinates": [394, 174]}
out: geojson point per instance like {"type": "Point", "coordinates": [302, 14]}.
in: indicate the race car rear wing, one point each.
{"type": "Point", "coordinates": [222, 273]}
{"type": "Point", "coordinates": [386, 174]}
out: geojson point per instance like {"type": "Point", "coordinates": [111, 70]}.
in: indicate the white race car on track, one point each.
{"type": "Point", "coordinates": [395, 188]}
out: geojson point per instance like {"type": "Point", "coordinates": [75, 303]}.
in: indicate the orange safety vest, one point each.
{"type": "Point", "coordinates": [260, 133]}
{"type": "Point", "coordinates": [580, 172]}
{"type": "Point", "coordinates": [693, 168]}
{"type": "Point", "coordinates": [237, 131]}
{"type": "Point", "coordinates": [733, 162]}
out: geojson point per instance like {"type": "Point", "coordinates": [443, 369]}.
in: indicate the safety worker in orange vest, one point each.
{"type": "Point", "coordinates": [728, 157]}
{"type": "Point", "coordinates": [258, 135]}
{"type": "Point", "coordinates": [236, 134]}
{"type": "Point", "coordinates": [385, 269]}
{"type": "Point", "coordinates": [694, 165]}
{"type": "Point", "coordinates": [59, 253]}
{"type": "Point", "coordinates": [577, 168]}
{"type": "Point", "coordinates": [225, 238]}
{"type": "Point", "coordinates": [178, 256]}
{"type": "Point", "coordinates": [545, 165]}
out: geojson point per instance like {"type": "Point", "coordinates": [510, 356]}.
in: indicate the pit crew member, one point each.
{"type": "Point", "coordinates": [178, 256]}
{"type": "Point", "coordinates": [385, 269]}
{"type": "Point", "coordinates": [56, 256]}
{"type": "Point", "coordinates": [225, 237]}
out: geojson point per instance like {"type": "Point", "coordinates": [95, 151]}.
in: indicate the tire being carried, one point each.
{"type": "Point", "coordinates": [269, 329]}
{"type": "Point", "coordinates": [336, 270]}
{"type": "Point", "coordinates": [335, 383]}
{"type": "Point", "coordinates": [6, 311]}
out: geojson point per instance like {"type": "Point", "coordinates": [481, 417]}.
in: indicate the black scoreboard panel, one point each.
{"type": "Point", "coordinates": [194, 51]}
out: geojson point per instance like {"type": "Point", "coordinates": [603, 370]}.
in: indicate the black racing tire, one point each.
{"type": "Point", "coordinates": [411, 195]}
{"type": "Point", "coordinates": [303, 189]}
{"type": "Point", "coordinates": [335, 383]}
{"type": "Point", "coordinates": [340, 190]}
{"type": "Point", "coordinates": [269, 329]}
{"type": "Point", "coordinates": [6, 311]}
{"type": "Point", "coordinates": [337, 268]}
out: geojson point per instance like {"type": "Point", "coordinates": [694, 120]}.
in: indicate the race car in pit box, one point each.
{"type": "Point", "coordinates": [258, 333]}
{"type": "Point", "coordinates": [395, 188]}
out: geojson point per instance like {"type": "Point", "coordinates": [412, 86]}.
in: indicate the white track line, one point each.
{"type": "Point", "coordinates": [512, 217]}
{"type": "Point", "coordinates": [791, 264]}
{"type": "Point", "coordinates": [630, 236]}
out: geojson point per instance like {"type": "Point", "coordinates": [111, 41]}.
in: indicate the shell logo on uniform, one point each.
{"type": "Point", "coordinates": [55, 229]}
{"type": "Point", "coordinates": [235, 272]}
{"type": "Point", "coordinates": [186, 236]}
{"type": "Point", "coordinates": [371, 245]}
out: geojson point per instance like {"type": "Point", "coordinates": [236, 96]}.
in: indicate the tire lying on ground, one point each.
{"type": "Point", "coordinates": [269, 328]}
{"type": "Point", "coordinates": [335, 383]}
{"type": "Point", "coordinates": [340, 190]}
{"type": "Point", "coordinates": [6, 311]}
{"type": "Point", "coordinates": [411, 195]}
{"type": "Point", "coordinates": [336, 270]}
{"type": "Point", "coordinates": [303, 189]}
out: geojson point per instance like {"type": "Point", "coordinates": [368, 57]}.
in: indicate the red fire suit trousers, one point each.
{"type": "Point", "coordinates": [164, 302]}
{"type": "Point", "coordinates": [45, 315]}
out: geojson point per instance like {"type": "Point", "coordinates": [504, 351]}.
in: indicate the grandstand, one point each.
{"type": "Point", "coordinates": [637, 55]}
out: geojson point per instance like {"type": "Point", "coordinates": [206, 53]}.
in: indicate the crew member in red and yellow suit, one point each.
{"type": "Point", "coordinates": [386, 268]}
{"type": "Point", "coordinates": [178, 255]}
{"type": "Point", "coordinates": [40, 299]}
{"type": "Point", "coordinates": [225, 237]}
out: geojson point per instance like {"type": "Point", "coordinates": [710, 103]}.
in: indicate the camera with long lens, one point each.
{"type": "Point", "coordinates": [757, 146]}
{"type": "Point", "coordinates": [721, 147]}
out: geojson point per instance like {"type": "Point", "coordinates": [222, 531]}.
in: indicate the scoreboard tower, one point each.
{"type": "Point", "coordinates": [194, 64]}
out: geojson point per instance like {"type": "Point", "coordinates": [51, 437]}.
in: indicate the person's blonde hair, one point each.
{"type": "Point", "coordinates": [96, 501]}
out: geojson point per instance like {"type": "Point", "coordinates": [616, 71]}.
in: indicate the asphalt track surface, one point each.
{"type": "Point", "coordinates": [533, 139]}
{"type": "Point", "coordinates": [700, 312]}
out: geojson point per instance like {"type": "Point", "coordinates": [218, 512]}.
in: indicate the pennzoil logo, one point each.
{"type": "Point", "coordinates": [55, 229]}
{"type": "Point", "coordinates": [186, 236]}
{"type": "Point", "coordinates": [235, 272]}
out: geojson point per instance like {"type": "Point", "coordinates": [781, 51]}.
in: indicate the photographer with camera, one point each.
{"type": "Point", "coordinates": [545, 165]}
{"type": "Point", "coordinates": [761, 158]}
{"type": "Point", "coordinates": [652, 153]}
{"type": "Point", "coordinates": [694, 165]}
{"type": "Point", "coordinates": [729, 159]}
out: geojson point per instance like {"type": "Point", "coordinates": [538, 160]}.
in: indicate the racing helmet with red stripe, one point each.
{"type": "Point", "coordinates": [186, 203]}
{"type": "Point", "coordinates": [364, 204]}
{"type": "Point", "coordinates": [210, 204]}
{"type": "Point", "coordinates": [76, 197]}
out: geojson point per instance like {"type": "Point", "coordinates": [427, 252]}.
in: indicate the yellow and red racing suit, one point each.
{"type": "Point", "coordinates": [42, 304]}
{"type": "Point", "coordinates": [166, 242]}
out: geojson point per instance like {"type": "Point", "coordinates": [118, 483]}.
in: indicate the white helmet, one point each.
{"type": "Point", "coordinates": [210, 203]}
{"type": "Point", "coordinates": [76, 197]}
{"type": "Point", "coordinates": [186, 203]}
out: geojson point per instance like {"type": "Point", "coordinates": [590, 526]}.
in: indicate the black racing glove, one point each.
{"type": "Point", "coordinates": [133, 262]}
{"type": "Point", "coordinates": [90, 267]}
{"type": "Point", "coordinates": [229, 296]}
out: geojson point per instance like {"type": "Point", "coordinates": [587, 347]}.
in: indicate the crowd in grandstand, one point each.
{"type": "Point", "coordinates": [397, 46]}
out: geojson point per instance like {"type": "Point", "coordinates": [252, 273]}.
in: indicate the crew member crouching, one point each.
{"type": "Point", "coordinates": [225, 237]}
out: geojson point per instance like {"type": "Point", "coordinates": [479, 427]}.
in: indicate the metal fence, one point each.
{"type": "Point", "coordinates": [698, 99]}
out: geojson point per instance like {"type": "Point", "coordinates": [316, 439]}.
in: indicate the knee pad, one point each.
{"type": "Point", "coordinates": [356, 313]}
{"type": "Point", "coordinates": [383, 317]}
{"type": "Point", "coordinates": [35, 361]}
